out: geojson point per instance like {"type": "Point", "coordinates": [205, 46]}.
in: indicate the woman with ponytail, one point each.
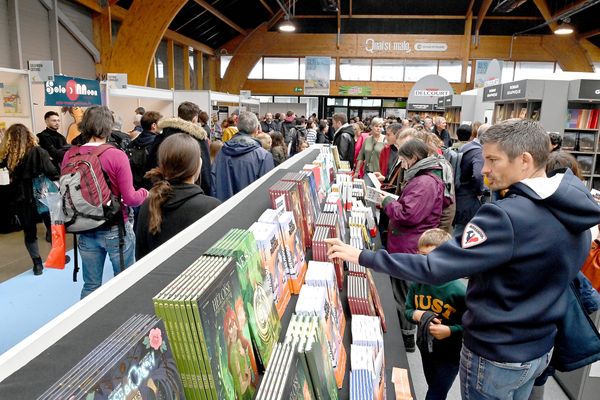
{"type": "Point", "coordinates": [174, 202]}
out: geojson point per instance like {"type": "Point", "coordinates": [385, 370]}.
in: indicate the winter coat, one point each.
{"type": "Point", "coordinates": [22, 202]}
{"type": "Point", "coordinates": [171, 126]}
{"type": "Point", "coordinates": [344, 140]}
{"type": "Point", "coordinates": [286, 128]}
{"type": "Point", "coordinates": [279, 154]}
{"type": "Point", "coordinates": [241, 161]}
{"type": "Point", "coordinates": [471, 186]}
{"type": "Point", "coordinates": [520, 254]}
{"type": "Point", "coordinates": [444, 136]}
{"type": "Point", "coordinates": [138, 151]}
{"type": "Point", "coordinates": [55, 144]}
{"type": "Point", "coordinates": [185, 205]}
{"type": "Point", "coordinates": [419, 208]}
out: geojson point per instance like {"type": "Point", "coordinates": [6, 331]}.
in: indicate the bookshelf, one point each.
{"type": "Point", "coordinates": [581, 135]}
{"type": "Point", "coordinates": [458, 109]}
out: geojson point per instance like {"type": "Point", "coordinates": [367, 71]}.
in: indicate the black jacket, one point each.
{"type": "Point", "coordinates": [344, 140]}
{"type": "Point", "coordinates": [171, 126]}
{"type": "Point", "coordinates": [36, 162]}
{"type": "Point", "coordinates": [444, 136]}
{"type": "Point", "coordinates": [286, 128]}
{"type": "Point", "coordinates": [185, 206]}
{"type": "Point", "coordinates": [137, 151]}
{"type": "Point", "coordinates": [269, 126]}
{"type": "Point", "coordinates": [55, 144]}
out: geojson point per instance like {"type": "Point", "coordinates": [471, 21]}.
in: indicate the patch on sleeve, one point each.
{"type": "Point", "coordinates": [472, 236]}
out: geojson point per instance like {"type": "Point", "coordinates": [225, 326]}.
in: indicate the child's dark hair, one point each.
{"type": "Point", "coordinates": [434, 237]}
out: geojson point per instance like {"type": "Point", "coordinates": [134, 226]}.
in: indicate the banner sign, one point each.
{"type": "Point", "coordinates": [488, 73]}
{"type": "Point", "coordinates": [316, 77]}
{"type": "Point", "coordinates": [429, 89]}
{"type": "Point", "coordinates": [355, 90]}
{"type": "Point", "coordinates": [72, 92]}
{"type": "Point", "coordinates": [514, 90]}
{"type": "Point", "coordinates": [589, 89]}
{"type": "Point", "coordinates": [384, 46]}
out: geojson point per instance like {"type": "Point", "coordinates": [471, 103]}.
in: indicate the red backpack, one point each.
{"type": "Point", "coordinates": [87, 199]}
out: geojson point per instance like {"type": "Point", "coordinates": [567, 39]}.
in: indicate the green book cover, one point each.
{"type": "Point", "coordinates": [226, 335]}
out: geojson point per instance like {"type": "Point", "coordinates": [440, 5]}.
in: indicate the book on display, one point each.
{"type": "Point", "coordinates": [289, 191]}
{"type": "Point", "coordinates": [273, 260]}
{"type": "Point", "coordinates": [308, 333]}
{"type": "Point", "coordinates": [320, 251]}
{"type": "Point", "coordinates": [204, 314]}
{"type": "Point", "coordinates": [134, 362]}
{"type": "Point", "coordinates": [322, 274]}
{"type": "Point", "coordinates": [263, 318]}
{"type": "Point", "coordinates": [309, 207]}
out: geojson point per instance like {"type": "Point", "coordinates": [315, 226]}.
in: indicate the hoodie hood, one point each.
{"type": "Point", "coordinates": [182, 125]}
{"type": "Point", "coordinates": [240, 144]}
{"type": "Point", "coordinates": [565, 196]}
{"type": "Point", "coordinates": [181, 194]}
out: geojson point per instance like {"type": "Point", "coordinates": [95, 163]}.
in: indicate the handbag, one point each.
{"type": "Point", "coordinates": [591, 266]}
{"type": "Point", "coordinates": [42, 185]}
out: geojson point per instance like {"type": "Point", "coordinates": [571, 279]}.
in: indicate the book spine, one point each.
{"type": "Point", "coordinates": [210, 373]}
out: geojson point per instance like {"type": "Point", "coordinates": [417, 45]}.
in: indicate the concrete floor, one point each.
{"type": "Point", "coordinates": [14, 258]}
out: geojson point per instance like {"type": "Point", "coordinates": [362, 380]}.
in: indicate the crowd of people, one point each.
{"type": "Point", "coordinates": [477, 205]}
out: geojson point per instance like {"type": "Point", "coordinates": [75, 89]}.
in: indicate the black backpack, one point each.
{"type": "Point", "coordinates": [138, 156]}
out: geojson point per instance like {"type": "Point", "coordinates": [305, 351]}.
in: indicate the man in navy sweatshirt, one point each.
{"type": "Point", "coordinates": [520, 253]}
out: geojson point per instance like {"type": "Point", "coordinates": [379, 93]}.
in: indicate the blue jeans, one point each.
{"type": "Point", "coordinates": [439, 374]}
{"type": "Point", "coordinates": [93, 247]}
{"type": "Point", "coordinates": [481, 378]}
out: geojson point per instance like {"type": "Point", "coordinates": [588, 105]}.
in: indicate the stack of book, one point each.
{"type": "Point", "coordinates": [318, 172]}
{"type": "Point", "coordinates": [288, 191]}
{"type": "Point", "coordinates": [367, 354]}
{"type": "Point", "coordinates": [313, 190]}
{"type": "Point", "coordinates": [359, 208]}
{"type": "Point", "coordinates": [330, 221]}
{"type": "Point", "coordinates": [322, 274]}
{"type": "Point", "coordinates": [204, 314]}
{"type": "Point", "coordinates": [308, 333]}
{"type": "Point", "coordinates": [273, 260]}
{"type": "Point", "coordinates": [294, 256]}
{"type": "Point", "coordinates": [287, 376]}
{"type": "Point", "coordinates": [257, 294]}
{"type": "Point", "coordinates": [356, 270]}
{"type": "Point", "coordinates": [359, 296]}
{"type": "Point", "coordinates": [134, 362]}
{"type": "Point", "coordinates": [319, 252]}
{"type": "Point", "coordinates": [314, 301]}
{"type": "Point", "coordinates": [309, 208]}
{"type": "Point", "coordinates": [333, 204]}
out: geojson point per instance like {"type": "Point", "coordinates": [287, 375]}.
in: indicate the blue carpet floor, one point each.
{"type": "Point", "coordinates": [27, 302]}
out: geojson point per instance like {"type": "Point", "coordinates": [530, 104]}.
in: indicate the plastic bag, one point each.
{"type": "Point", "coordinates": [57, 257]}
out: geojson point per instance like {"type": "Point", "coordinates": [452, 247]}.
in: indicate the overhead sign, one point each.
{"type": "Point", "coordinates": [448, 100]}
{"type": "Point", "coordinates": [589, 89]}
{"type": "Point", "coordinates": [297, 89]}
{"type": "Point", "coordinates": [419, 107]}
{"type": "Point", "coordinates": [441, 102]}
{"type": "Point", "coordinates": [72, 92]}
{"type": "Point", "coordinates": [429, 89]}
{"type": "Point", "coordinates": [492, 93]}
{"type": "Point", "coordinates": [514, 90]}
{"type": "Point", "coordinates": [316, 76]}
{"type": "Point", "coordinates": [355, 90]}
{"type": "Point", "coordinates": [403, 46]}
{"type": "Point", "coordinates": [117, 81]}
{"type": "Point", "coordinates": [41, 70]}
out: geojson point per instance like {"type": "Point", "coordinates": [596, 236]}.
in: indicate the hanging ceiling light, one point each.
{"type": "Point", "coordinates": [564, 27]}
{"type": "Point", "coordinates": [287, 25]}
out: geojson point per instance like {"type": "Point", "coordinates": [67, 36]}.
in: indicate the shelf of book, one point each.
{"type": "Point", "coordinates": [57, 347]}
{"type": "Point", "coordinates": [517, 109]}
{"type": "Point", "coordinates": [581, 138]}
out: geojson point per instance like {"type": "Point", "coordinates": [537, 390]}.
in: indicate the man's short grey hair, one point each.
{"type": "Point", "coordinates": [517, 136]}
{"type": "Point", "coordinates": [247, 122]}
{"type": "Point", "coordinates": [482, 129]}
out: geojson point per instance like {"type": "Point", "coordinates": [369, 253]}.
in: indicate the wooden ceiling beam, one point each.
{"type": "Point", "coordinates": [589, 34]}
{"type": "Point", "coordinates": [485, 6]}
{"type": "Point", "coordinates": [542, 6]}
{"type": "Point", "coordinates": [221, 16]}
{"type": "Point", "coordinates": [267, 7]}
{"type": "Point", "coordinates": [421, 16]}
{"type": "Point", "coordinates": [569, 8]}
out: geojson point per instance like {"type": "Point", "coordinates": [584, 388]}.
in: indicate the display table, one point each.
{"type": "Point", "coordinates": [35, 364]}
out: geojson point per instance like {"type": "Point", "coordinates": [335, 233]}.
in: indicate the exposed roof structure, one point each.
{"type": "Point", "coordinates": [215, 22]}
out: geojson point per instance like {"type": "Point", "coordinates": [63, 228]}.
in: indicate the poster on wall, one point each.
{"type": "Point", "coordinates": [11, 101]}
{"type": "Point", "coordinates": [488, 73]}
{"type": "Point", "coordinates": [316, 77]}
{"type": "Point", "coordinates": [72, 92]}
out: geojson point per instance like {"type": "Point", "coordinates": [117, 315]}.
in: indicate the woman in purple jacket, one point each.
{"type": "Point", "coordinates": [418, 209]}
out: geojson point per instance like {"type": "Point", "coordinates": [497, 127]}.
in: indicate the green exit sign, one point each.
{"type": "Point", "coordinates": [297, 89]}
